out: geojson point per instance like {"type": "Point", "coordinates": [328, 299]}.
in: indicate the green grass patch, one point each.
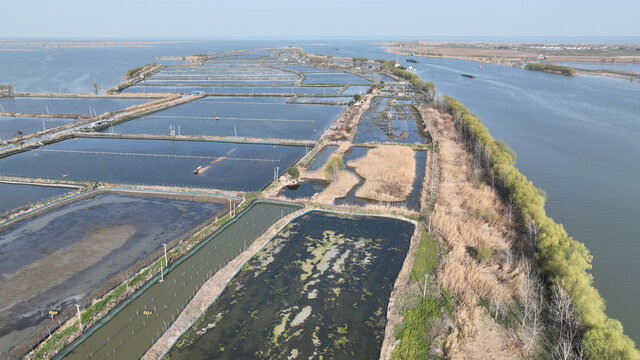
{"type": "Point", "coordinates": [53, 344]}
{"type": "Point", "coordinates": [425, 258]}
{"type": "Point", "coordinates": [90, 312]}
{"type": "Point", "coordinates": [414, 334]}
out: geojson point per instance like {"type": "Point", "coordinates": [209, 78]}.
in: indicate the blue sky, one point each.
{"type": "Point", "coordinates": [198, 19]}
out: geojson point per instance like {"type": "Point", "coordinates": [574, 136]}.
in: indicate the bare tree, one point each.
{"type": "Point", "coordinates": [532, 228]}
{"type": "Point", "coordinates": [566, 326]}
{"type": "Point", "coordinates": [535, 307]}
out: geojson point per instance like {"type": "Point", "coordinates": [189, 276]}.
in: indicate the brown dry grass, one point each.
{"type": "Point", "coordinates": [345, 181]}
{"type": "Point", "coordinates": [388, 172]}
{"type": "Point", "coordinates": [456, 219]}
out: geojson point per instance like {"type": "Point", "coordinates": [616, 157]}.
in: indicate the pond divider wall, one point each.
{"type": "Point", "coordinates": [101, 346]}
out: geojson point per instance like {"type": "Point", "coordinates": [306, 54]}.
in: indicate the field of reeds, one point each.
{"type": "Point", "coordinates": [470, 217]}
{"type": "Point", "coordinates": [388, 172]}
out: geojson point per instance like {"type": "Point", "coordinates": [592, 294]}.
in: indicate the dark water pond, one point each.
{"type": "Point", "coordinates": [320, 288]}
{"type": "Point", "coordinates": [128, 333]}
{"type": "Point", "coordinates": [321, 90]}
{"type": "Point", "coordinates": [321, 158]}
{"type": "Point", "coordinates": [11, 126]}
{"type": "Point", "coordinates": [262, 117]}
{"type": "Point", "coordinates": [303, 190]}
{"type": "Point", "coordinates": [234, 166]}
{"type": "Point", "coordinates": [387, 121]}
{"type": "Point", "coordinates": [14, 196]}
{"type": "Point", "coordinates": [34, 246]}
{"type": "Point", "coordinates": [83, 106]}
{"type": "Point", "coordinates": [334, 78]}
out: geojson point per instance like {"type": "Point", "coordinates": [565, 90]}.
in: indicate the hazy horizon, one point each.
{"type": "Point", "coordinates": [327, 20]}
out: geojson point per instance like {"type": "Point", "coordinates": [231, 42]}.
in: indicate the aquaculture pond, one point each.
{"type": "Point", "coordinates": [320, 289]}
{"type": "Point", "coordinates": [388, 121]}
{"type": "Point", "coordinates": [224, 165]}
{"type": "Point", "coordinates": [58, 257]}
{"type": "Point", "coordinates": [413, 200]}
{"type": "Point", "coordinates": [303, 190]}
{"type": "Point", "coordinates": [128, 333]}
{"type": "Point", "coordinates": [320, 90]}
{"type": "Point", "coordinates": [321, 157]}
{"type": "Point", "coordinates": [353, 90]}
{"type": "Point", "coordinates": [15, 196]}
{"type": "Point", "coordinates": [11, 126]}
{"type": "Point", "coordinates": [262, 117]}
{"type": "Point", "coordinates": [334, 78]}
{"type": "Point", "coordinates": [64, 105]}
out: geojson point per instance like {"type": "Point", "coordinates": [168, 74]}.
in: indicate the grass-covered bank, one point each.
{"type": "Point", "coordinates": [562, 261]}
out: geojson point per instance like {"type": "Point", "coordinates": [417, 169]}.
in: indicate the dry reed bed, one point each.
{"type": "Point", "coordinates": [456, 219]}
{"type": "Point", "coordinates": [388, 172]}
{"type": "Point", "coordinates": [345, 180]}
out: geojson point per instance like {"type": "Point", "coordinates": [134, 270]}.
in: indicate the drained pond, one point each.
{"type": "Point", "coordinates": [320, 289]}
{"type": "Point", "coordinates": [56, 258]}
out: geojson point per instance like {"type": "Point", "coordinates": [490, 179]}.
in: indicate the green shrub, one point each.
{"type": "Point", "coordinates": [484, 253]}
{"type": "Point", "coordinates": [294, 172]}
{"type": "Point", "coordinates": [334, 165]}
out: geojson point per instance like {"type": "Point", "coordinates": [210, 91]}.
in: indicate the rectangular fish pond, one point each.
{"type": "Point", "coordinates": [69, 252]}
{"type": "Point", "coordinates": [12, 126]}
{"type": "Point", "coordinates": [320, 289]}
{"type": "Point", "coordinates": [387, 121]}
{"type": "Point", "coordinates": [311, 90]}
{"type": "Point", "coordinates": [67, 105]}
{"type": "Point", "coordinates": [127, 333]}
{"type": "Point", "coordinates": [260, 117]}
{"type": "Point", "coordinates": [16, 196]}
{"type": "Point", "coordinates": [413, 200]}
{"type": "Point", "coordinates": [224, 165]}
{"type": "Point", "coordinates": [334, 78]}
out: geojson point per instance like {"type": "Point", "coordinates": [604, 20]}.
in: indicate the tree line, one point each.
{"type": "Point", "coordinates": [428, 87]}
{"type": "Point", "coordinates": [561, 261]}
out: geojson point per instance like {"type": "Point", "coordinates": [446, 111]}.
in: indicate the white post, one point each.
{"type": "Point", "coordinates": [424, 291]}
{"type": "Point", "coordinates": [429, 224]}
{"type": "Point", "coordinates": [161, 272]}
{"type": "Point", "coordinates": [234, 131]}
{"type": "Point", "coordinates": [79, 317]}
{"type": "Point", "coordinates": [166, 262]}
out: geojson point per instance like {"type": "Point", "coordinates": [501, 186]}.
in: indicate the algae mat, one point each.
{"type": "Point", "coordinates": [320, 289]}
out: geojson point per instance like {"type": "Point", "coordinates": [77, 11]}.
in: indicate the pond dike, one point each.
{"type": "Point", "coordinates": [135, 325]}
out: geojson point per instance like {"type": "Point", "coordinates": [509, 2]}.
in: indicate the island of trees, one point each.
{"type": "Point", "coordinates": [551, 68]}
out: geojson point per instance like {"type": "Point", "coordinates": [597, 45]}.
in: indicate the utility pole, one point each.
{"type": "Point", "coordinates": [429, 224]}
{"type": "Point", "coordinates": [234, 131]}
{"type": "Point", "coordinates": [79, 317]}
{"type": "Point", "coordinates": [161, 272]}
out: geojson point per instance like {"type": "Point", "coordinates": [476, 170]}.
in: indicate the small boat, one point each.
{"type": "Point", "coordinates": [469, 76]}
{"type": "Point", "coordinates": [197, 170]}
{"type": "Point", "coordinates": [412, 61]}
